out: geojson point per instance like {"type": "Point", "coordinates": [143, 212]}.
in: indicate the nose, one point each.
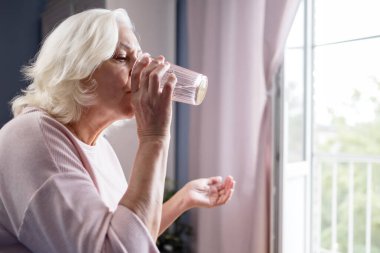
{"type": "Point", "coordinates": [134, 59]}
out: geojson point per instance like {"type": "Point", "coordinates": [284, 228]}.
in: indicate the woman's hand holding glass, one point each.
{"type": "Point", "coordinates": [152, 105]}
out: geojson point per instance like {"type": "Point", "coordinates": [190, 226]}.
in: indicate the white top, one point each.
{"type": "Point", "coordinates": [107, 169]}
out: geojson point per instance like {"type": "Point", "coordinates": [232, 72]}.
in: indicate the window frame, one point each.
{"type": "Point", "coordinates": [280, 145]}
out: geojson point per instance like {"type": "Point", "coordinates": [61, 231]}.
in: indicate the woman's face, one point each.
{"type": "Point", "coordinates": [113, 89]}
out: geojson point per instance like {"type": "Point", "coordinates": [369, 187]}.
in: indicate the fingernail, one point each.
{"type": "Point", "coordinates": [173, 77]}
{"type": "Point", "coordinates": [144, 57]}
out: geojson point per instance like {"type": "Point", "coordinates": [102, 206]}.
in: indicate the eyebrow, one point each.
{"type": "Point", "coordinates": [128, 47]}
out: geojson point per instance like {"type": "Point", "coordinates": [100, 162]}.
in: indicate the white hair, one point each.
{"type": "Point", "coordinates": [70, 54]}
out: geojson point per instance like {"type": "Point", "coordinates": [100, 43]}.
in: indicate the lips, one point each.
{"type": "Point", "coordinates": [127, 89]}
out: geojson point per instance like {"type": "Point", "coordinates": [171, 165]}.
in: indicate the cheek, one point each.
{"type": "Point", "coordinates": [124, 80]}
{"type": "Point", "coordinates": [110, 90]}
{"type": "Point", "coordinates": [113, 83]}
{"type": "Point", "coordinates": [116, 82]}
{"type": "Point", "coordinates": [120, 77]}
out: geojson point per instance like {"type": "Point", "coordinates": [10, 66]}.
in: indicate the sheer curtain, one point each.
{"type": "Point", "coordinates": [239, 46]}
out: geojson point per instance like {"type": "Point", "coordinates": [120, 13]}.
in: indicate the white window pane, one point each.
{"type": "Point", "coordinates": [339, 20]}
{"type": "Point", "coordinates": [294, 95]}
{"type": "Point", "coordinates": [342, 73]}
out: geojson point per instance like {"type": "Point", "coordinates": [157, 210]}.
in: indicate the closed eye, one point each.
{"type": "Point", "coordinates": [122, 59]}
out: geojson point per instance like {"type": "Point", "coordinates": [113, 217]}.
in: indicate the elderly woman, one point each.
{"type": "Point", "coordinates": [62, 188]}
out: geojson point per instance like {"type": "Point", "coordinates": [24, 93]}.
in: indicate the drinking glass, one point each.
{"type": "Point", "coordinates": [191, 87]}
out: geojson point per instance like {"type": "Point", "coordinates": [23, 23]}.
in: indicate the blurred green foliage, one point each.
{"type": "Point", "coordinates": [361, 138]}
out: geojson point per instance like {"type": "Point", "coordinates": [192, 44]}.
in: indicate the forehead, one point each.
{"type": "Point", "coordinates": [127, 38]}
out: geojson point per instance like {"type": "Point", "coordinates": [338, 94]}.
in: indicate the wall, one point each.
{"type": "Point", "coordinates": [19, 42]}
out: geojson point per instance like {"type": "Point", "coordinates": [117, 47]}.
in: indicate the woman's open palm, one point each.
{"type": "Point", "coordinates": [210, 192]}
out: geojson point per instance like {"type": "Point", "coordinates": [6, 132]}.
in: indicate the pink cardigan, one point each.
{"type": "Point", "coordinates": [53, 200]}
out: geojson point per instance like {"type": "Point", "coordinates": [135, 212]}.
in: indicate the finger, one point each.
{"type": "Point", "coordinates": [227, 187]}
{"type": "Point", "coordinates": [160, 59]}
{"type": "Point", "coordinates": [226, 184]}
{"type": "Point", "coordinates": [233, 184]}
{"type": "Point", "coordinates": [222, 192]}
{"type": "Point", "coordinates": [137, 69]}
{"type": "Point", "coordinates": [167, 91]}
{"type": "Point", "coordinates": [223, 185]}
{"type": "Point", "coordinates": [229, 196]}
{"type": "Point", "coordinates": [225, 197]}
{"type": "Point", "coordinates": [155, 78]}
{"type": "Point", "coordinates": [229, 182]}
{"type": "Point", "coordinates": [228, 179]}
{"type": "Point", "coordinates": [215, 180]}
{"type": "Point", "coordinates": [147, 72]}
{"type": "Point", "coordinates": [212, 189]}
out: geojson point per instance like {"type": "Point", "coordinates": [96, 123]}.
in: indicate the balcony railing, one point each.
{"type": "Point", "coordinates": [327, 188]}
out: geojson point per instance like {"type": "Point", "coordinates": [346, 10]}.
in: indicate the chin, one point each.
{"type": "Point", "coordinates": [125, 111]}
{"type": "Point", "coordinates": [128, 114]}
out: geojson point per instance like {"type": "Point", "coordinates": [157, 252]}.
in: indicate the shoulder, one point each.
{"type": "Point", "coordinates": [33, 149]}
{"type": "Point", "coordinates": [35, 140]}
{"type": "Point", "coordinates": [20, 125]}
{"type": "Point", "coordinates": [21, 136]}
{"type": "Point", "coordinates": [29, 125]}
{"type": "Point", "coordinates": [33, 129]}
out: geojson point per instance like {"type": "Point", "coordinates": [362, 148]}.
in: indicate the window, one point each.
{"type": "Point", "coordinates": [333, 51]}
